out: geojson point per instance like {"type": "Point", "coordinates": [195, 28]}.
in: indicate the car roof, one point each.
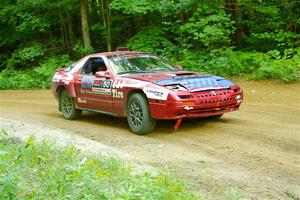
{"type": "Point", "coordinates": [114, 53]}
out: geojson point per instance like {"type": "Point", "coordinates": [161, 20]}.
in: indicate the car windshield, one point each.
{"type": "Point", "coordinates": [139, 63]}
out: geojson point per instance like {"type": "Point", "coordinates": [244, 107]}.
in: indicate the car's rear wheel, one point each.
{"type": "Point", "coordinates": [68, 106]}
{"type": "Point", "coordinates": [139, 115]}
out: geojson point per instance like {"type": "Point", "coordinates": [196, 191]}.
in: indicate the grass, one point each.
{"type": "Point", "coordinates": [291, 195]}
{"type": "Point", "coordinates": [33, 170]}
{"type": "Point", "coordinates": [232, 193]}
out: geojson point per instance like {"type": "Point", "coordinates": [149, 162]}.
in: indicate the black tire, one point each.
{"type": "Point", "coordinates": [67, 106]}
{"type": "Point", "coordinates": [138, 114]}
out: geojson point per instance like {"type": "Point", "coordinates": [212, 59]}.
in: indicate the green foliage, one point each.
{"type": "Point", "coordinates": [252, 65]}
{"type": "Point", "coordinates": [134, 7]}
{"type": "Point", "coordinates": [232, 193]}
{"type": "Point", "coordinates": [23, 20]}
{"type": "Point", "coordinates": [45, 171]}
{"type": "Point", "coordinates": [286, 68]}
{"type": "Point", "coordinates": [208, 26]}
{"type": "Point", "coordinates": [291, 195]}
{"type": "Point", "coordinates": [25, 56]}
{"type": "Point", "coordinates": [80, 51]}
{"type": "Point", "coordinates": [4, 58]}
{"type": "Point", "coordinates": [45, 71]}
{"type": "Point", "coordinates": [170, 8]}
{"type": "Point", "coordinates": [281, 37]}
{"type": "Point", "coordinates": [151, 39]}
{"type": "Point", "coordinates": [272, 24]}
{"type": "Point", "coordinates": [37, 77]}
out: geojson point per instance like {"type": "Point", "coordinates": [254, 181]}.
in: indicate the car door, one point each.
{"type": "Point", "coordinates": [94, 93]}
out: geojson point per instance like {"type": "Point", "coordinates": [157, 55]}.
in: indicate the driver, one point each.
{"type": "Point", "coordinates": [99, 65]}
{"type": "Point", "coordinates": [88, 70]}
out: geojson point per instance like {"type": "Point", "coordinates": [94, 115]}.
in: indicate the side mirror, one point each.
{"type": "Point", "coordinates": [102, 74]}
{"type": "Point", "coordinates": [179, 67]}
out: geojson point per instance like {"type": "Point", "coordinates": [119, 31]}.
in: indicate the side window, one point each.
{"type": "Point", "coordinates": [93, 65]}
{"type": "Point", "coordinates": [77, 65]}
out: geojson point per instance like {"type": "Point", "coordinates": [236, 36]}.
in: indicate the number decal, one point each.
{"type": "Point", "coordinates": [101, 87]}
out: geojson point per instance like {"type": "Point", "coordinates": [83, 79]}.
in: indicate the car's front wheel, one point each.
{"type": "Point", "coordinates": [139, 115]}
{"type": "Point", "coordinates": [67, 106]}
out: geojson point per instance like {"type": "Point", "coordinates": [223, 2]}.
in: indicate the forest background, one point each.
{"type": "Point", "coordinates": [250, 39]}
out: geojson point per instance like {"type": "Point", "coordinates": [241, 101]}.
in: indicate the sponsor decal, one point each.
{"type": "Point", "coordinates": [156, 94]}
{"type": "Point", "coordinates": [117, 94]}
{"type": "Point", "coordinates": [80, 100]}
{"type": "Point", "coordinates": [118, 84]}
{"type": "Point", "coordinates": [101, 87]}
{"type": "Point", "coordinates": [85, 91]}
{"type": "Point", "coordinates": [87, 82]}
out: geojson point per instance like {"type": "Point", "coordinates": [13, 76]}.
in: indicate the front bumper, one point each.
{"type": "Point", "coordinates": [202, 104]}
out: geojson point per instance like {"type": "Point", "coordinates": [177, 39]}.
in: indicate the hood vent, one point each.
{"type": "Point", "coordinates": [185, 74]}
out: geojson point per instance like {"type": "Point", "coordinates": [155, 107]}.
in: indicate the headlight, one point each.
{"type": "Point", "coordinates": [238, 97]}
{"type": "Point", "coordinates": [176, 88]}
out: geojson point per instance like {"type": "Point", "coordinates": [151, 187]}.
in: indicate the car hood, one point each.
{"type": "Point", "coordinates": [190, 80]}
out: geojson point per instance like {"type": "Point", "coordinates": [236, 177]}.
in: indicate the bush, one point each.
{"type": "Point", "coordinates": [251, 65]}
{"type": "Point", "coordinates": [26, 56]}
{"type": "Point", "coordinates": [37, 77]}
{"type": "Point", "coordinates": [208, 27]}
{"type": "Point", "coordinates": [43, 171]}
{"type": "Point", "coordinates": [286, 67]}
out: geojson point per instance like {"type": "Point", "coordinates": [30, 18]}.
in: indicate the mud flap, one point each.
{"type": "Point", "coordinates": [177, 124]}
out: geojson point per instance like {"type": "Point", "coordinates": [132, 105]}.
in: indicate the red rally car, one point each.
{"type": "Point", "coordinates": [142, 87]}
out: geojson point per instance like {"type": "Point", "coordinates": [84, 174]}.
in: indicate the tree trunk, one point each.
{"type": "Point", "coordinates": [131, 31]}
{"type": "Point", "coordinates": [233, 8]}
{"type": "Point", "coordinates": [70, 29]}
{"type": "Point", "coordinates": [239, 25]}
{"type": "Point", "coordinates": [63, 30]}
{"type": "Point", "coordinates": [106, 15]}
{"type": "Point", "coordinates": [108, 40]}
{"type": "Point", "coordinates": [85, 25]}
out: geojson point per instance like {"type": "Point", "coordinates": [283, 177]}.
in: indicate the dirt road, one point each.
{"type": "Point", "coordinates": [253, 153]}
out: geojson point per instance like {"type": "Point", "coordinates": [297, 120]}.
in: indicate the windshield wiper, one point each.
{"type": "Point", "coordinates": [133, 71]}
